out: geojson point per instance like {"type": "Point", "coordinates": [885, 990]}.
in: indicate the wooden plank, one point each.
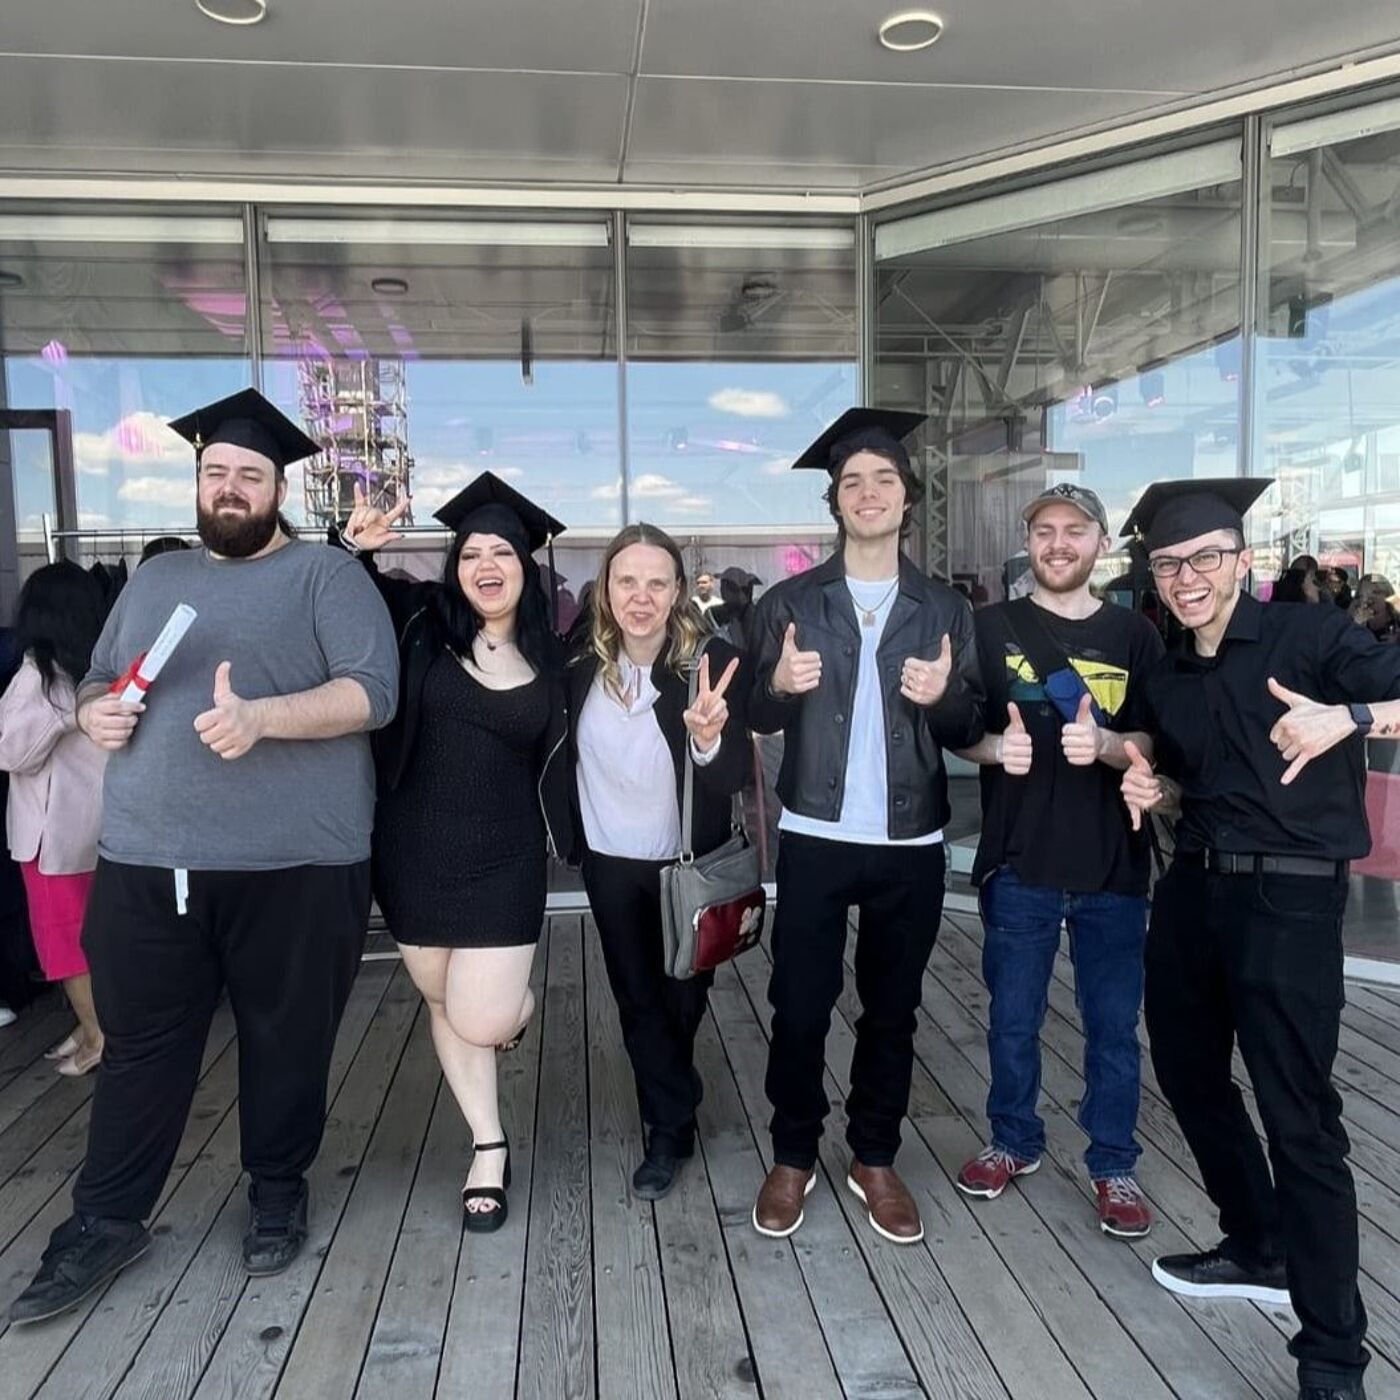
{"type": "Point", "coordinates": [100, 1356]}
{"type": "Point", "coordinates": [789, 1351]}
{"type": "Point", "coordinates": [41, 1024]}
{"type": "Point", "coordinates": [865, 1349]}
{"type": "Point", "coordinates": [481, 1342]}
{"type": "Point", "coordinates": [634, 1344]}
{"type": "Point", "coordinates": [47, 1116]}
{"type": "Point", "coordinates": [947, 1356]}
{"type": "Point", "coordinates": [335, 1330]}
{"type": "Point", "coordinates": [556, 1333]}
{"type": "Point", "coordinates": [249, 1355]}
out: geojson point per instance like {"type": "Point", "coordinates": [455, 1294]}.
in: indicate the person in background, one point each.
{"type": "Point", "coordinates": [1374, 609]}
{"type": "Point", "coordinates": [630, 723]}
{"type": "Point", "coordinates": [1299, 582]}
{"type": "Point", "coordinates": [473, 785]}
{"type": "Point", "coordinates": [705, 597]}
{"type": "Point", "coordinates": [1335, 585]}
{"type": "Point", "coordinates": [54, 810]}
{"type": "Point", "coordinates": [162, 544]}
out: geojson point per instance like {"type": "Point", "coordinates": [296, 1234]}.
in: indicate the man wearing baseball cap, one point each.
{"type": "Point", "coordinates": [1063, 673]}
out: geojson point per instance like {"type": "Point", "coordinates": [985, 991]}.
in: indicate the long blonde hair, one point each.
{"type": "Point", "coordinates": [683, 630]}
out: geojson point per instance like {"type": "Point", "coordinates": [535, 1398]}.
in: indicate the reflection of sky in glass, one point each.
{"type": "Point", "coordinates": [710, 442]}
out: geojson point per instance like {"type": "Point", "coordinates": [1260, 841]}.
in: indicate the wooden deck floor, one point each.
{"type": "Point", "coordinates": [588, 1293]}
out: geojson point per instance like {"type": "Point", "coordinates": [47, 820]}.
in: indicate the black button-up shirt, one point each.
{"type": "Point", "coordinates": [1212, 715]}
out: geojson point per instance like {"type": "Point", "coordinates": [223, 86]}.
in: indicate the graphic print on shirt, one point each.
{"type": "Point", "coordinates": [1107, 683]}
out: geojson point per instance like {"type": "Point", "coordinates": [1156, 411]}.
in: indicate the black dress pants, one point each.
{"type": "Point", "coordinates": [286, 944]}
{"type": "Point", "coordinates": [660, 1015]}
{"type": "Point", "coordinates": [1257, 960]}
{"type": "Point", "coordinates": [899, 893]}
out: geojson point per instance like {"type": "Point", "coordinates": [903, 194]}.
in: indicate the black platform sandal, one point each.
{"type": "Point", "coordinates": [483, 1222]}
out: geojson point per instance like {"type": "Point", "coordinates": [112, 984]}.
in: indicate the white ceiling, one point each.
{"type": "Point", "coordinates": [767, 95]}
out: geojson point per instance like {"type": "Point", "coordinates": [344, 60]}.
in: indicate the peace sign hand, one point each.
{"type": "Point", "coordinates": [370, 528]}
{"type": "Point", "coordinates": [706, 717]}
{"type": "Point", "coordinates": [1307, 729]}
{"type": "Point", "coordinates": [926, 682]}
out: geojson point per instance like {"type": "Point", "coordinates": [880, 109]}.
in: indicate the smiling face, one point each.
{"type": "Point", "coordinates": [1063, 545]}
{"type": "Point", "coordinates": [1198, 599]}
{"type": "Point", "coordinates": [491, 575]}
{"type": "Point", "coordinates": [642, 591]}
{"type": "Point", "coordinates": [870, 496]}
{"type": "Point", "coordinates": [238, 495]}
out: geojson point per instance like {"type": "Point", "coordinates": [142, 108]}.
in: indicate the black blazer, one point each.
{"type": "Point", "coordinates": [715, 782]}
{"type": "Point", "coordinates": [420, 644]}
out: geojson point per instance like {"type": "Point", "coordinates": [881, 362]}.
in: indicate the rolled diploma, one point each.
{"type": "Point", "coordinates": [149, 665]}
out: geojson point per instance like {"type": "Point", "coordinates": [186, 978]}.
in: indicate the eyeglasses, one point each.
{"type": "Point", "coordinates": [1203, 561]}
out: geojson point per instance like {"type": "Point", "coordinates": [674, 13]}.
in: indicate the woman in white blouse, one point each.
{"type": "Point", "coordinates": [54, 812]}
{"type": "Point", "coordinates": [629, 724]}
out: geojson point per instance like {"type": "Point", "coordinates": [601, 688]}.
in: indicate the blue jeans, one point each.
{"type": "Point", "coordinates": [1107, 933]}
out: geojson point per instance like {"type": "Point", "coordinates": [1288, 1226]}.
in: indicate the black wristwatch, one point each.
{"type": "Point", "coordinates": [1363, 719]}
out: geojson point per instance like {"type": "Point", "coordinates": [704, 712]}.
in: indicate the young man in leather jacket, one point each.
{"type": "Point", "coordinates": [869, 668]}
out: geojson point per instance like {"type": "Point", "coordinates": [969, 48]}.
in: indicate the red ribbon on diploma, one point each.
{"type": "Point", "coordinates": [130, 677]}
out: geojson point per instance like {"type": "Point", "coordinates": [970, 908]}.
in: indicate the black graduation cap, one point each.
{"type": "Point", "coordinates": [246, 419]}
{"type": "Point", "coordinates": [489, 497]}
{"type": "Point", "coordinates": [1171, 511]}
{"type": "Point", "coordinates": [874, 427]}
{"type": "Point", "coordinates": [491, 507]}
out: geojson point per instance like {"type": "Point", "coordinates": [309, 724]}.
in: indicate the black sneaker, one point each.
{"type": "Point", "coordinates": [656, 1175]}
{"type": "Point", "coordinates": [82, 1254]}
{"type": "Point", "coordinates": [1355, 1391]}
{"type": "Point", "coordinates": [275, 1234]}
{"type": "Point", "coordinates": [1215, 1275]}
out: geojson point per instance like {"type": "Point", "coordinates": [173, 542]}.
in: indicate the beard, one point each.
{"type": "Point", "coordinates": [1064, 583]}
{"type": "Point", "coordinates": [237, 534]}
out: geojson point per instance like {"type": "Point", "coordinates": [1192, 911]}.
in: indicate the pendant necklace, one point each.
{"type": "Point", "coordinates": [867, 615]}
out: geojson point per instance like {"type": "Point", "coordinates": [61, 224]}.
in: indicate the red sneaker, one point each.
{"type": "Point", "coordinates": [991, 1170]}
{"type": "Point", "coordinates": [1123, 1209]}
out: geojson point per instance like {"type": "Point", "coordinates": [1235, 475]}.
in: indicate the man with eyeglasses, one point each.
{"type": "Point", "coordinates": [1259, 718]}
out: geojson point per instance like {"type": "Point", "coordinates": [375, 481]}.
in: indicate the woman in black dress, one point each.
{"type": "Point", "coordinates": [469, 771]}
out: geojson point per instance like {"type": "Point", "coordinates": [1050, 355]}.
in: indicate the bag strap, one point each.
{"type": "Point", "coordinates": [688, 787]}
{"type": "Point", "coordinates": [1039, 647]}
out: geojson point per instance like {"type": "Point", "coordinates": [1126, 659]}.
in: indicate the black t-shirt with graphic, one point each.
{"type": "Point", "coordinates": [1064, 826]}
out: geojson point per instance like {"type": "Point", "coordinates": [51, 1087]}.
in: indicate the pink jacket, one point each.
{"type": "Point", "coordinates": [55, 807]}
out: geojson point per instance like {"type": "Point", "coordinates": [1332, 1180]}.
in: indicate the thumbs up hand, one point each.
{"type": "Point", "coordinates": [233, 725]}
{"type": "Point", "coordinates": [1142, 788]}
{"type": "Point", "coordinates": [926, 682]}
{"type": "Point", "coordinates": [1015, 749]}
{"type": "Point", "coordinates": [1082, 741]}
{"type": "Point", "coordinates": [1306, 729]}
{"type": "Point", "coordinates": [797, 672]}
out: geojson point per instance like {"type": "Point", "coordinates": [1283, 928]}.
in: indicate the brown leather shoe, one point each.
{"type": "Point", "coordinates": [892, 1211]}
{"type": "Point", "coordinates": [778, 1210]}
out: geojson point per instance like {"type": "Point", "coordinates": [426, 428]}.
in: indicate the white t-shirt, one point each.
{"type": "Point", "coordinates": [864, 818]}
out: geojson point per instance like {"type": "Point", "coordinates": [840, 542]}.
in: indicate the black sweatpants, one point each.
{"type": "Point", "coordinates": [286, 944]}
{"type": "Point", "coordinates": [899, 893]}
{"type": "Point", "coordinates": [660, 1015]}
{"type": "Point", "coordinates": [1257, 960]}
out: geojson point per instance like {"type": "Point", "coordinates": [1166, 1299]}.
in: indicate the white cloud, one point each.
{"type": "Point", "coordinates": [138, 440]}
{"type": "Point", "coordinates": [749, 403]}
{"type": "Point", "coordinates": [692, 505]}
{"type": "Point", "coordinates": [655, 485]}
{"type": "Point", "coordinates": [175, 493]}
{"type": "Point", "coordinates": [777, 466]}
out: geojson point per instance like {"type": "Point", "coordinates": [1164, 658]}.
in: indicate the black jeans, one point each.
{"type": "Point", "coordinates": [660, 1015]}
{"type": "Point", "coordinates": [1257, 959]}
{"type": "Point", "coordinates": [287, 945]}
{"type": "Point", "coordinates": [899, 893]}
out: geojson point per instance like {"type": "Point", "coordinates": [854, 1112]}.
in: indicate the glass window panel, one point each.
{"type": "Point", "coordinates": [1084, 332]}
{"type": "Point", "coordinates": [425, 350]}
{"type": "Point", "coordinates": [1327, 415]}
{"type": "Point", "coordinates": [127, 316]}
{"type": "Point", "coordinates": [741, 343]}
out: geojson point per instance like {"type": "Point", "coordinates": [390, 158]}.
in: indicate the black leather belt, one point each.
{"type": "Point", "coordinates": [1230, 863]}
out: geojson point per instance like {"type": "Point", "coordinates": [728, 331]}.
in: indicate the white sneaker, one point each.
{"type": "Point", "coordinates": [7, 1017]}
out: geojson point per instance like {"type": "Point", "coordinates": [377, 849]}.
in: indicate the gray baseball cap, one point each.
{"type": "Point", "coordinates": [1071, 495]}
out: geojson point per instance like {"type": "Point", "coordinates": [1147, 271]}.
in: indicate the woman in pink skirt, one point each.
{"type": "Point", "coordinates": [55, 806]}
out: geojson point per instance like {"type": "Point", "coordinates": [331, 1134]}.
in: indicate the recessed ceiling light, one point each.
{"type": "Point", "coordinates": [11, 279]}
{"type": "Point", "coordinates": [238, 12]}
{"type": "Point", "coordinates": [389, 286]}
{"type": "Point", "coordinates": [911, 30]}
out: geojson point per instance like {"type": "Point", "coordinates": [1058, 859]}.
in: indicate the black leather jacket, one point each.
{"type": "Point", "coordinates": [816, 726]}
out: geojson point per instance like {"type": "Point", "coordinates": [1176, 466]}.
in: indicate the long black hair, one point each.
{"type": "Point", "coordinates": [458, 624]}
{"type": "Point", "coordinates": [58, 620]}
